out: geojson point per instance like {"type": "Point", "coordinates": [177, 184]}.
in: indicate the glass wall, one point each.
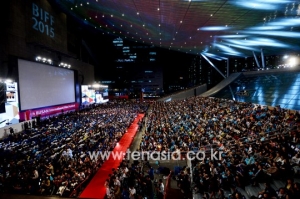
{"type": "Point", "coordinates": [267, 89]}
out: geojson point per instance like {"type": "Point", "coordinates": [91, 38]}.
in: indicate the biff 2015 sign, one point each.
{"type": "Point", "coordinates": [43, 22]}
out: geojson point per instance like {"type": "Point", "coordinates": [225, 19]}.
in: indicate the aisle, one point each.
{"type": "Point", "coordinates": [96, 189]}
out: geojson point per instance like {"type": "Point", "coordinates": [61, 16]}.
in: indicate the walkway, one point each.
{"type": "Point", "coordinates": [95, 188]}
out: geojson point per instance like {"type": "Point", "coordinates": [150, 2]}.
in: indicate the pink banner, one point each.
{"type": "Point", "coordinates": [118, 97]}
{"type": "Point", "coordinates": [48, 111]}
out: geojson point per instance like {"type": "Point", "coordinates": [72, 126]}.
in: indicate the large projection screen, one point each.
{"type": "Point", "coordinates": [43, 85]}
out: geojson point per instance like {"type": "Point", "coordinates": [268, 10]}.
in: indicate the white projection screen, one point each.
{"type": "Point", "coordinates": [42, 85]}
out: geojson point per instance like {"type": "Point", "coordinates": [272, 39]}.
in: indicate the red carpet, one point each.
{"type": "Point", "coordinates": [95, 188]}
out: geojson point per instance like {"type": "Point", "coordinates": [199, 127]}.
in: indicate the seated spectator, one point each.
{"type": "Point", "coordinates": [296, 190]}
{"type": "Point", "coordinates": [289, 186]}
{"type": "Point", "coordinates": [268, 190]}
{"type": "Point", "coordinates": [249, 160]}
{"type": "Point", "coordinates": [161, 189]}
{"type": "Point", "coordinates": [273, 170]}
{"type": "Point", "coordinates": [221, 194]}
{"type": "Point", "coordinates": [108, 192]}
{"type": "Point", "coordinates": [151, 173]}
{"type": "Point", "coordinates": [281, 194]}
{"type": "Point", "coordinates": [132, 192]}
{"type": "Point", "coordinates": [258, 176]}
{"type": "Point", "coordinates": [125, 193]}
{"type": "Point", "coordinates": [117, 188]}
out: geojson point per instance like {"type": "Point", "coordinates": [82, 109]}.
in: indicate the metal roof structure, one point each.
{"type": "Point", "coordinates": [218, 28]}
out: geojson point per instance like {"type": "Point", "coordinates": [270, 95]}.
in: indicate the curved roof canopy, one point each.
{"type": "Point", "coordinates": [218, 27]}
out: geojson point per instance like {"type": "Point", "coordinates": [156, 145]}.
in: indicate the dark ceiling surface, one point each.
{"type": "Point", "coordinates": [217, 28]}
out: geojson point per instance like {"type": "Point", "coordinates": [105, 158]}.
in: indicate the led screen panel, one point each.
{"type": "Point", "coordinates": [43, 85]}
{"type": "Point", "coordinates": [87, 95]}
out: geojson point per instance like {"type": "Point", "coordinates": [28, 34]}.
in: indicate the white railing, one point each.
{"type": "Point", "coordinates": [5, 131]}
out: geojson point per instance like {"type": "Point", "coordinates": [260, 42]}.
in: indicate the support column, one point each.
{"type": "Point", "coordinates": [256, 60]}
{"type": "Point", "coordinates": [231, 91]}
{"type": "Point", "coordinates": [262, 59]}
{"type": "Point", "coordinates": [213, 66]}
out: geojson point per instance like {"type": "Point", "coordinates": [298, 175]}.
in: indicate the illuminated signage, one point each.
{"type": "Point", "coordinates": [107, 82]}
{"type": "Point", "coordinates": [43, 22]}
{"type": "Point", "coordinates": [125, 60]}
{"type": "Point", "coordinates": [118, 40]}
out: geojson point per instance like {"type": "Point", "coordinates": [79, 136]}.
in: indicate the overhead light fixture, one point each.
{"type": "Point", "coordinates": [292, 61]}
{"type": "Point", "coordinates": [65, 65]}
{"type": "Point", "coordinates": [44, 60]}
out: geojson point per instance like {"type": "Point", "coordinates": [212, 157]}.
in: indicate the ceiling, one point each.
{"type": "Point", "coordinates": [217, 28]}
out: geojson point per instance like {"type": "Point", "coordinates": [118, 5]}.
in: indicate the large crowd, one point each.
{"type": "Point", "coordinates": [258, 144]}
{"type": "Point", "coordinates": [130, 181]}
{"type": "Point", "coordinates": [52, 158]}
